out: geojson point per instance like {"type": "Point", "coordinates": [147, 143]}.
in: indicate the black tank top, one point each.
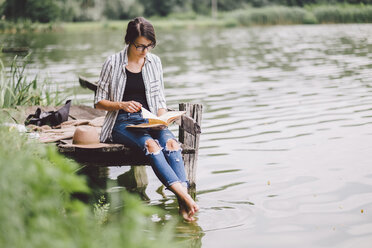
{"type": "Point", "coordinates": [134, 89]}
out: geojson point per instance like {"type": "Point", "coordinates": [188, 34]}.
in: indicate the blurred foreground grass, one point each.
{"type": "Point", "coordinates": [38, 210]}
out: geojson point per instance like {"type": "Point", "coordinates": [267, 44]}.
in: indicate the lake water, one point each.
{"type": "Point", "coordinates": [286, 151]}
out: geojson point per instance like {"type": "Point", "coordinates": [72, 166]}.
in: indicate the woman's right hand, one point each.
{"type": "Point", "coordinates": [130, 106]}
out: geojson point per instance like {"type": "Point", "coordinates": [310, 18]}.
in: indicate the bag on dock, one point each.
{"type": "Point", "coordinates": [50, 118]}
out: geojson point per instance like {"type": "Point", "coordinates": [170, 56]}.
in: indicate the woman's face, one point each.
{"type": "Point", "coordinates": [140, 47]}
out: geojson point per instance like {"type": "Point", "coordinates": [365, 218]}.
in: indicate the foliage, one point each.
{"type": "Point", "coordinates": [342, 14]}
{"type": "Point", "coordinates": [81, 10]}
{"type": "Point", "coordinates": [158, 7]}
{"type": "Point", "coordinates": [294, 15]}
{"type": "Point", "coordinates": [101, 210]}
{"type": "Point", "coordinates": [122, 9]}
{"type": "Point", "coordinates": [35, 10]}
{"type": "Point", "coordinates": [94, 10]}
{"type": "Point", "coordinates": [270, 16]}
{"type": "Point", "coordinates": [42, 10]}
{"type": "Point", "coordinates": [38, 210]}
{"type": "Point", "coordinates": [17, 27]}
{"type": "Point", "coordinates": [16, 90]}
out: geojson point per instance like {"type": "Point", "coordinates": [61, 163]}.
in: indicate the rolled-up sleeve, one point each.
{"type": "Point", "coordinates": [162, 103]}
{"type": "Point", "coordinates": [103, 84]}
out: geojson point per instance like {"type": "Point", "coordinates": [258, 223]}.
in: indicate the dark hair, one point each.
{"type": "Point", "coordinates": [137, 27]}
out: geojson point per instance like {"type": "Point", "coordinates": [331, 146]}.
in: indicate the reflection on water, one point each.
{"type": "Point", "coordinates": [135, 180]}
{"type": "Point", "coordinates": [97, 181]}
{"type": "Point", "coordinates": [285, 155]}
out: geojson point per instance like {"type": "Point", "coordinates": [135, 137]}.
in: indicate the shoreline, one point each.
{"type": "Point", "coordinates": [266, 16]}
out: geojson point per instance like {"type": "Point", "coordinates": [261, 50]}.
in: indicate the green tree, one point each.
{"type": "Point", "coordinates": [42, 10]}
{"type": "Point", "coordinates": [202, 6]}
{"type": "Point", "coordinates": [123, 9]}
{"type": "Point", "coordinates": [35, 10]}
{"type": "Point", "coordinates": [13, 9]}
{"type": "Point", "coordinates": [158, 7]}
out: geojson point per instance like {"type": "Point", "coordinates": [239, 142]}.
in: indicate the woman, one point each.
{"type": "Point", "coordinates": [133, 79]}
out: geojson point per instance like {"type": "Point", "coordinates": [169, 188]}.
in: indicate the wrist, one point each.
{"type": "Point", "coordinates": [161, 111]}
{"type": "Point", "coordinates": [119, 105]}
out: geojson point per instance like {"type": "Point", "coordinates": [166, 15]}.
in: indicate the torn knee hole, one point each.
{"type": "Point", "coordinates": [152, 147]}
{"type": "Point", "coordinates": [172, 145]}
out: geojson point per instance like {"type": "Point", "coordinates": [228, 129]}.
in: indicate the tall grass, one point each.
{"type": "Point", "coordinates": [25, 26]}
{"type": "Point", "coordinates": [37, 210]}
{"type": "Point", "coordinates": [16, 89]}
{"type": "Point", "coordinates": [270, 16]}
{"type": "Point", "coordinates": [281, 15]}
{"type": "Point", "coordinates": [342, 13]}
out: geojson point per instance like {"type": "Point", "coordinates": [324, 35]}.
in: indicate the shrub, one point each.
{"type": "Point", "coordinates": [37, 210]}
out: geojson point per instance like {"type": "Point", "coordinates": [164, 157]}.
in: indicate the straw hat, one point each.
{"type": "Point", "coordinates": [87, 137]}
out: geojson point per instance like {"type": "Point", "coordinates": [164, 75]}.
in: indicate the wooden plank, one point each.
{"type": "Point", "coordinates": [195, 112]}
{"type": "Point", "coordinates": [111, 148]}
{"type": "Point", "coordinates": [113, 155]}
{"type": "Point", "coordinates": [15, 49]}
{"type": "Point", "coordinates": [85, 112]}
{"type": "Point", "coordinates": [85, 83]}
{"type": "Point", "coordinates": [93, 157]}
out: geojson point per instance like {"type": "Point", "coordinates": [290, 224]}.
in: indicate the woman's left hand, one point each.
{"type": "Point", "coordinates": [161, 111]}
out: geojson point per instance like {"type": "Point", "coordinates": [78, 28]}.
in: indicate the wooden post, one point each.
{"type": "Point", "coordinates": [135, 180]}
{"type": "Point", "coordinates": [195, 112]}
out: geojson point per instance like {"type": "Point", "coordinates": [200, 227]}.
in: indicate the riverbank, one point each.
{"type": "Point", "coordinates": [272, 15]}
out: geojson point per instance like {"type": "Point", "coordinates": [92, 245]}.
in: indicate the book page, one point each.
{"type": "Point", "coordinates": [170, 116]}
{"type": "Point", "coordinates": [148, 115]}
{"type": "Point", "coordinates": [167, 117]}
{"type": "Point", "coordinates": [155, 121]}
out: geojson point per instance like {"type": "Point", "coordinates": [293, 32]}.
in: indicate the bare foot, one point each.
{"type": "Point", "coordinates": [183, 212]}
{"type": "Point", "coordinates": [188, 206]}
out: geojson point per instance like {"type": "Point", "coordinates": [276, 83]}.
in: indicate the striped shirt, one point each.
{"type": "Point", "coordinates": [111, 85]}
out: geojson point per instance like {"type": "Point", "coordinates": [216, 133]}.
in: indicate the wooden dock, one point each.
{"type": "Point", "coordinates": [120, 155]}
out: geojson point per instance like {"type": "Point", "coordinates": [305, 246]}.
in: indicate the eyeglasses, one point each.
{"type": "Point", "coordinates": [142, 48]}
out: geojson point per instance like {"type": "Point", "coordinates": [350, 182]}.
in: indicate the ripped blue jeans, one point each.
{"type": "Point", "coordinates": [167, 165]}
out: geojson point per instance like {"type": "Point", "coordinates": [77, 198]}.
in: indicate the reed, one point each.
{"type": "Point", "coordinates": [17, 90]}
{"type": "Point", "coordinates": [275, 15]}
{"type": "Point", "coordinates": [342, 13]}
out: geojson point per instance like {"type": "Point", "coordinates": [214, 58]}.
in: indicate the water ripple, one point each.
{"type": "Point", "coordinates": [285, 153]}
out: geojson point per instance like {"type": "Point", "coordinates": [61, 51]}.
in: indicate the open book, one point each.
{"type": "Point", "coordinates": [158, 121]}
